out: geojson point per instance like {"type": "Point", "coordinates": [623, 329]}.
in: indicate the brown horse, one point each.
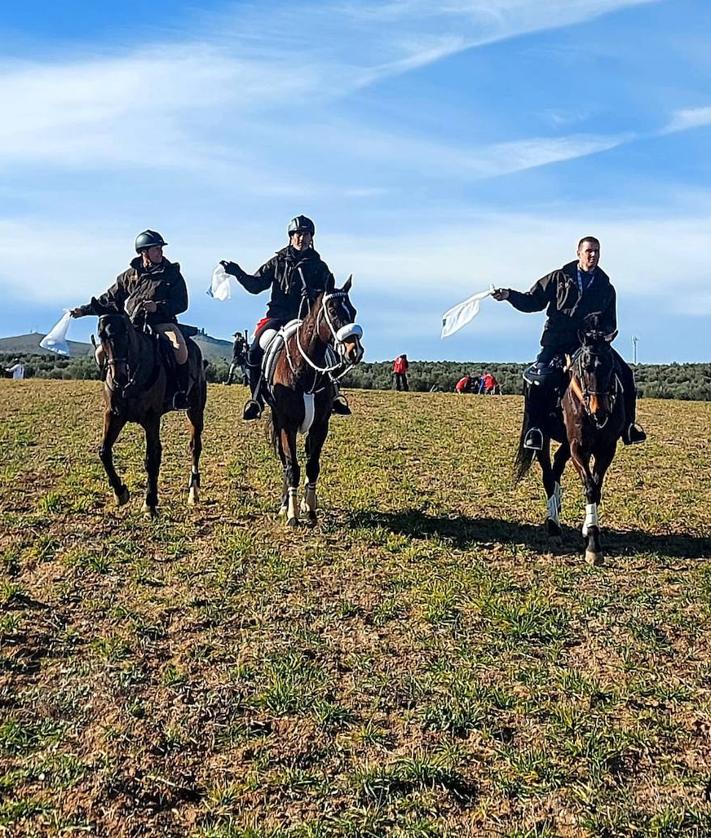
{"type": "Point", "coordinates": [588, 425]}
{"type": "Point", "coordinates": [301, 391]}
{"type": "Point", "coordinates": [138, 388]}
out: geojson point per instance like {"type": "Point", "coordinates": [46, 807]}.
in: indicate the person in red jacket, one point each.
{"type": "Point", "coordinates": [464, 385]}
{"type": "Point", "coordinates": [400, 368]}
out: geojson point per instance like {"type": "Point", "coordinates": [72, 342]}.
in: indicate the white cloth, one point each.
{"type": "Point", "coordinates": [460, 315]}
{"type": "Point", "coordinates": [18, 371]}
{"type": "Point", "coordinates": [220, 286]}
{"type": "Point", "coordinates": [56, 339]}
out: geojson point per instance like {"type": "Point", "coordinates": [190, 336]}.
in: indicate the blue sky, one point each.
{"type": "Point", "coordinates": [439, 147]}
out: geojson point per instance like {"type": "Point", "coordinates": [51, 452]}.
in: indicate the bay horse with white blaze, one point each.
{"type": "Point", "coordinates": [588, 424]}
{"type": "Point", "coordinates": [300, 390]}
{"type": "Point", "coordinates": [138, 388]}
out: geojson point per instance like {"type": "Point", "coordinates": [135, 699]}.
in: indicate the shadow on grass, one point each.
{"type": "Point", "coordinates": [464, 532]}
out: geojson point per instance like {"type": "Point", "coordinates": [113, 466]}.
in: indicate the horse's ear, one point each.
{"type": "Point", "coordinates": [609, 338]}
{"type": "Point", "coordinates": [349, 282]}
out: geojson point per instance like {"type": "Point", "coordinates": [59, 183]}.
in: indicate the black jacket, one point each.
{"type": "Point", "coordinates": [163, 284]}
{"type": "Point", "coordinates": [286, 273]}
{"type": "Point", "coordinates": [566, 309]}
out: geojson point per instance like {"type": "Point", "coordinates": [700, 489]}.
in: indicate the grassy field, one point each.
{"type": "Point", "coordinates": [419, 664]}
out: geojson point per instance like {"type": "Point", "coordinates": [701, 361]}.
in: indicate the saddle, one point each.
{"type": "Point", "coordinates": [275, 345]}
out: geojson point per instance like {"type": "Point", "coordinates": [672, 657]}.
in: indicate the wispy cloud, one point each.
{"type": "Point", "coordinates": [688, 118]}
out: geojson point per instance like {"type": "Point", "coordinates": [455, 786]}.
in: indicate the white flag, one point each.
{"type": "Point", "coordinates": [220, 286]}
{"type": "Point", "coordinates": [460, 315]}
{"type": "Point", "coordinates": [56, 339]}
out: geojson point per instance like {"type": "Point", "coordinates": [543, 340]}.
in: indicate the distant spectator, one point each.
{"type": "Point", "coordinates": [464, 385]}
{"type": "Point", "coordinates": [17, 370]}
{"type": "Point", "coordinates": [400, 368]}
{"type": "Point", "coordinates": [489, 384]}
{"type": "Point", "coordinates": [239, 359]}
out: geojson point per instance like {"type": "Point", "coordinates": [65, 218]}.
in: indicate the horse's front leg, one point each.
{"type": "Point", "coordinates": [292, 473]}
{"type": "Point", "coordinates": [591, 526]}
{"type": "Point", "coordinates": [196, 419]}
{"type": "Point", "coordinates": [314, 444]}
{"type": "Point", "coordinates": [113, 424]}
{"type": "Point", "coordinates": [154, 451]}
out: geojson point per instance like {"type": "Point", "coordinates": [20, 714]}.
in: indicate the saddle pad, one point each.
{"type": "Point", "coordinates": [271, 353]}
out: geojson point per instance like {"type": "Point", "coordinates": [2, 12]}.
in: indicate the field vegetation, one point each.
{"type": "Point", "coordinates": [657, 381]}
{"type": "Point", "coordinates": [420, 664]}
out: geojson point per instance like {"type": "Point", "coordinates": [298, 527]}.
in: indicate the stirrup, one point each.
{"type": "Point", "coordinates": [252, 410]}
{"type": "Point", "coordinates": [180, 400]}
{"type": "Point", "coordinates": [341, 406]}
{"type": "Point", "coordinates": [533, 439]}
{"type": "Point", "coordinates": [634, 435]}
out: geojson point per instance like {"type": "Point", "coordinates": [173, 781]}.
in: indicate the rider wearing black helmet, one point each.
{"type": "Point", "coordinates": [154, 291]}
{"type": "Point", "coordinates": [569, 295]}
{"type": "Point", "coordinates": [295, 271]}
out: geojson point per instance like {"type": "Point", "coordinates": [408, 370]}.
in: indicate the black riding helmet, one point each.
{"type": "Point", "coordinates": [149, 238]}
{"type": "Point", "coordinates": [301, 224]}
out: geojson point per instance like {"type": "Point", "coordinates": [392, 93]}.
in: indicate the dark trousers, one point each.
{"type": "Point", "coordinates": [539, 397]}
{"type": "Point", "coordinates": [401, 381]}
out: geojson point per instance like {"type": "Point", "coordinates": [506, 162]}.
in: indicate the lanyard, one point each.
{"type": "Point", "coordinates": [581, 286]}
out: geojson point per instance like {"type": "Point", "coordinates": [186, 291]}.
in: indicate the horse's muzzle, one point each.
{"type": "Point", "coordinates": [353, 350]}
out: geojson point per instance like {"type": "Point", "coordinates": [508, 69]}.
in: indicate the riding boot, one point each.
{"type": "Point", "coordinates": [254, 406]}
{"type": "Point", "coordinates": [633, 434]}
{"type": "Point", "coordinates": [182, 378]}
{"type": "Point", "coordinates": [536, 405]}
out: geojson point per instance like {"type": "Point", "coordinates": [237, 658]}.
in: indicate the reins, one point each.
{"type": "Point", "coordinates": [574, 367]}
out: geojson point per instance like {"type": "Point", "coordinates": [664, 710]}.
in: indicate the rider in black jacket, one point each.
{"type": "Point", "coordinates": [570, 294]}
{"type": "Point", "coordinates": [292, 273]}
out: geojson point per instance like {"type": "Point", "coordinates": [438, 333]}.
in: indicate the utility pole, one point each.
{"type": "Point", "coordinates": [635, 341]}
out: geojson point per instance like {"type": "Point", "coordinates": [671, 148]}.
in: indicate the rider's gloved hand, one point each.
{"type": "Point", "coordinates": [231, 268]}
{"type": "Point", "coordinates": [500, 294]}
{"type": "Point", "coordinates": [149, 306]}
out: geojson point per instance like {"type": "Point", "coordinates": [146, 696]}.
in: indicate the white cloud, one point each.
{"type": "Point", "coordinates": [688, 118]}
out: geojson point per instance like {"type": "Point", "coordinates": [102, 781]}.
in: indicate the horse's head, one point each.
{"type": "Point", "coordinates": [594, 367]}
{"type": "Point", "coordinates": [114, 334]}
{"type": "Point", "coordinates": [337, 322]}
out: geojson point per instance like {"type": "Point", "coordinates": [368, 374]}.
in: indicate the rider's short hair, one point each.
{"type": "Point", "coordinates": [588, 239]}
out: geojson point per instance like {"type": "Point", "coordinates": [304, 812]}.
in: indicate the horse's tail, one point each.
{"type": "Point", "coordinates": [524, 456]}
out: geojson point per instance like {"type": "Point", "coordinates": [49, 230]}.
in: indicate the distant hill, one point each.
{"type": "Point", "coordinates": [212, 348]}
{"type": "Point", "coordinates": [29, 345]}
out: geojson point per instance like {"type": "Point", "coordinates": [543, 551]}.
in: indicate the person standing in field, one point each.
{"type": "Point", "coordinates": [569, 294]}
{"type": "Point", "coordinates": [239, 358]}
{"type": "Point", "coordinates": [17, 370]}
{"type": "Point", "coordinates": [400, 368]}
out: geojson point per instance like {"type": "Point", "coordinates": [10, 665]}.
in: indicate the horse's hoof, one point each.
{"type": "Point", "coordinates": [292, 522]}
{"type": "Point", "coordinates": [311, 520]}
{"type": "Point", "coordinates": [149, 511]}
{"type": "Point", "coordinates": [594, 558]}
{"type": "Point", "coordinates": [122, 496]}
{"type": "Point", "coordinates": [193, 496]}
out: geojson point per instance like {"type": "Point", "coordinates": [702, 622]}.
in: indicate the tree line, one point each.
{"type": "Point", "coordinates": [659, 381]}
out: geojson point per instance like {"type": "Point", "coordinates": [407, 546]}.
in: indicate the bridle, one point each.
{"type": "Point", "coordinates": [339, 336]}
{"type": "Point", "coordinates": [113, 362]}
{"type": "Point", "coordinates": [584, 395]}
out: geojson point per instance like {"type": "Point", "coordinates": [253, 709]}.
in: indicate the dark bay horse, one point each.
{"type": "Point", "coordinates": [300, 394]}
{"type": "Point", "coordinates": [138, 388]}
{"type": "Point", "coordinates": [588, 424]}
